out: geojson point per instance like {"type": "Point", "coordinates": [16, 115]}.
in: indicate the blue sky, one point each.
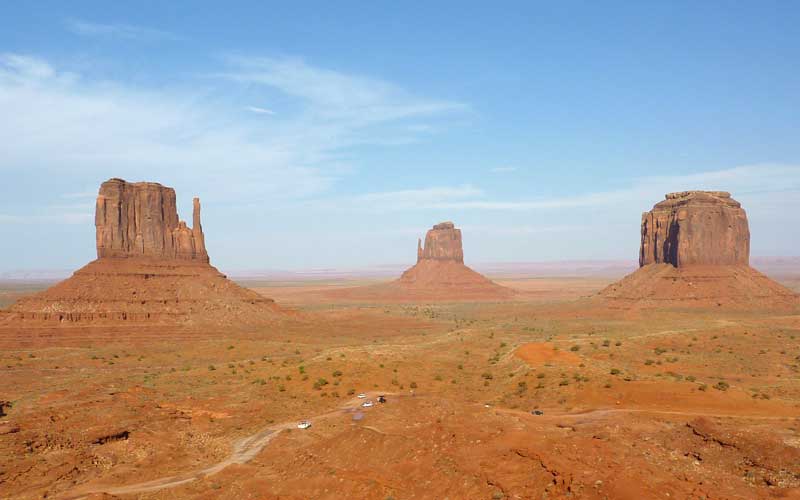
{"type": "Point", "coordinates": [333, 135]}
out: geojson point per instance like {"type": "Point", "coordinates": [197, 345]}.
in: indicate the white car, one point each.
{"type": "Point", "coordinates": [362, 396]}
{"type": "Point", "coordinates": [305, 424]}
{"type": "Point", "coordinates": [367, 404]}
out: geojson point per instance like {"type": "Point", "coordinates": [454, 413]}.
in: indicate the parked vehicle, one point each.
{"type": "Point", "coordinates": [304, 424]}
{"type": "Point", "coordinates": [362, 396]}
{"type": "Point", "coordinates": [537, 412]}
{"type": "Point", "coordinates": [367, 404]}
{"type": "Point", "coordinates": [381, 399]}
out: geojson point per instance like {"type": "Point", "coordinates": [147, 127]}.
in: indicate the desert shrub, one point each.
{"type": "Point", "coordinates": [648, 362]}
{"type": "Point", "coordinates": [564, 382]}
{"type": "Point", "coordinates": [438, 377]}
{"type": "Point", "coordinates": [413, 385]}
{"type": "Point", "coordinates": [487, 376]}
{"type": "Point", "coordinates": [690, 378]}
{"type": "Point", "coordinates": [320, 383]}
{"type": "Point", "coordinates": [721, 385]}
{"type": "Point", "coordinates": [615, 371]}
{"type": "Point", "coordinates": [282, 388]}
{"type": "Point", "coordinates": [211, 368]}
{"type": "Point", "coordinates": [606, 343]}
{"type": "Point", "coordinates": [575, 348]}
{"type": "Point", "coordinates": [617, 343]}
{"type": "Point", "coordinates": [350, 392]}
{"type": "Point", "coordinates": [540, 375]}
{"type": "Point", "coordinates": [337, 373]}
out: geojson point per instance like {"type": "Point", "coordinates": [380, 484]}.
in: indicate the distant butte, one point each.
{"type": "Point", "coordinates": [150, 267]}
{"type": "Point", "coordinates": [439, 274]}
{"type": "Point", "coordinates": [695, 251]}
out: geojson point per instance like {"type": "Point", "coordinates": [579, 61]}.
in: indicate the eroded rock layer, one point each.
{"type": "Point", "coordinates": [695, 228]}
{"type": "Point", "coordinates": [711, 286]}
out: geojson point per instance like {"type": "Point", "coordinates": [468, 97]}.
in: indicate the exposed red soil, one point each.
{"type": "Point", "coordinates": [536, 353]}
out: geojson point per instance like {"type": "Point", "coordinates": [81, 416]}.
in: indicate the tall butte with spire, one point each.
{"type": "Point", "coordinates": [695, 251]}
{"type": "Point", "coordinates": [150, 267]}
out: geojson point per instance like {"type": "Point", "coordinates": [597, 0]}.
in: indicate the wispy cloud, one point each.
{"type": "Point", "coordinates": [121, 31]}
{"type": "Point", "coordinates": [57, 122]}
{"type": "Point", "coordinates": [766, 182]}
{"type": "Point", "coordinates": [261, 111]}
{"type": "Point", "coordinates": [335, 95]}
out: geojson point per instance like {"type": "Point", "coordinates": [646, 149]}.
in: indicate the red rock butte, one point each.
{"type": "Point", "coordinates": [695, 227]}
{"type": "Point", "coordinates": [695, 252]}
{"type": "Point", "coordinates": [150, 267]}
{"type": "Point", "coordinates": [140, 219]}
{"type": "Point", "coordinates": [439, 274]}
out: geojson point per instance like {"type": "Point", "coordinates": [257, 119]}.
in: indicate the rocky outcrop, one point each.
{"type": "Point", "coordinates": [695, 228]}
{"type": "Point", "coordinates": [443, 242]}
{"type": "Point", "coordinates": [438, 275]}
{"type": "Point", "coordinates": [695, 253]}
{"type": "Point", "coordinates": [140, 219]}
{"type": "Point", "coordinates": [151, 268]}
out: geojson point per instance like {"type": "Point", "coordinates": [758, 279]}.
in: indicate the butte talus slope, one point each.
{"type": "Point", "coordinates": [695, 252]}
{"type": "Point", "coordinates": [151, 267]}
{"type": "Point", "coordinates": [439, 274]}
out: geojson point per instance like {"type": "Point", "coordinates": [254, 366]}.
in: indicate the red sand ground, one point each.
{"type": "Point", "coordinates": [668, 402]}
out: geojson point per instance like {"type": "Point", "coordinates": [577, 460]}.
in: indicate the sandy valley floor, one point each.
{"type": "Point", "coordinates": [635, 404]}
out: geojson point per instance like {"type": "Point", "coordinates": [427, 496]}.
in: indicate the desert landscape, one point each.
{"type": "Point", "coordinates": [261, 250]}
{"type": "Point", "coordinates": [150, 375]}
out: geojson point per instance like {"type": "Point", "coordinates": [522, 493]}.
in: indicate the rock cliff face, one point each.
{"type": "Point", "coordinates": [141, 220]}
{"type": "Point", "coordinates": [695, 228]}
{"type": "Point", "coordinates": [443, 242]}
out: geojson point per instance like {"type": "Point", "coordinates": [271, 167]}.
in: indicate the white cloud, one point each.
{"type": "Point", "coordinates": [122, 31]}
{"type": "Point", "coordinates": [262, 111]}
{"type": "Point", "coordinates": [333, 95]}
{"type": "Point", "coordinates": [61, 124]}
